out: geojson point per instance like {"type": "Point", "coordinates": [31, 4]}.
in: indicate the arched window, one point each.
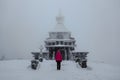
{"type": "Point", "coordinates": [61, 42]}
{"type": "Point", "coordinates": [65, 43]}
{"type": "Point", "coordinates": [57, 42]}
{"type": "Point", "coordinates": [69, 43]}
{"type": "Point", "coordinates": [53, 43]}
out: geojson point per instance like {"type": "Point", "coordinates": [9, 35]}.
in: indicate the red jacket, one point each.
{"type": "Point", "coordinates": [58, 56]}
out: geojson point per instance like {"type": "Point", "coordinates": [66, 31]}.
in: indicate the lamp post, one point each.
{"type": "Point", "coordinates": [41, 55]}
{"type": "Point", "coordinates": [41, 48]}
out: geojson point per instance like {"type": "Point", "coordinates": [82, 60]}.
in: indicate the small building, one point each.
{"type": "Point", "coordinates": [60, 39]}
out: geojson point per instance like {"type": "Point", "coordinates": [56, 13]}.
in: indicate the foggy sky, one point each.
{"type": "Point", "coordinates": [95, 24]}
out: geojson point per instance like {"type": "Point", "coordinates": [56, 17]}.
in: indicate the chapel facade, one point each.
{"type": "Point", "coordinates": [60, 39]}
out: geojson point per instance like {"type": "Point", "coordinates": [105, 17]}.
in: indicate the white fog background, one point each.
{"type": "Point", "coordinates": [95, 24]}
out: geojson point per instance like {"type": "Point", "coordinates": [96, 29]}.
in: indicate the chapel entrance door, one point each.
{"type": "Point", "coordinates": [63, 53]}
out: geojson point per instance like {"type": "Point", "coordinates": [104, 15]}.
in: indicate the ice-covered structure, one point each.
{"type": "Point", "coordinates": [60, 38]}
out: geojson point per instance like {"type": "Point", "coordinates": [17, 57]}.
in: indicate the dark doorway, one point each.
{"type": "Point", "coordinates": [63, 53]}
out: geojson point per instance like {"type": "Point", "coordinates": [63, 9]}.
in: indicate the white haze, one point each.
{"type": "Point", "coordinates": [95, 24]}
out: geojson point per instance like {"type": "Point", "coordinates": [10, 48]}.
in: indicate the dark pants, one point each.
{"type": "Point", "coordinates": [58, 65]}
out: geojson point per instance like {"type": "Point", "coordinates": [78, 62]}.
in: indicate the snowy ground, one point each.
{"type": "Point", "coordinates": [20, 70]}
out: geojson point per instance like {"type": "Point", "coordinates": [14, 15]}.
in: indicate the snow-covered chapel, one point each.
{"type": "Point", "coordinates": [60, 38]}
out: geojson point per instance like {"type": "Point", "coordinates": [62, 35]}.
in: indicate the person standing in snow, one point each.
{"type": "Point", "coordinates": [58, 58]}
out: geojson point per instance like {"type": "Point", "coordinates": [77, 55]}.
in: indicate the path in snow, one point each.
{"type": "Point", "coordinates": [20, 70]}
